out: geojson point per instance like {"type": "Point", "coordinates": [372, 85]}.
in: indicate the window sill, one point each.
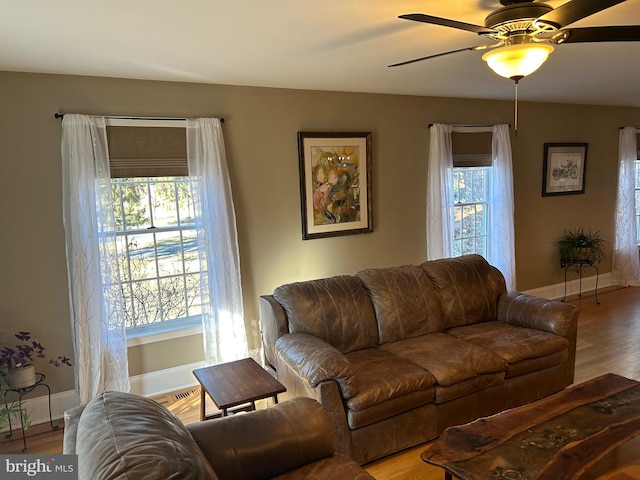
{"type": "Point", "coordinates": [160, 335]}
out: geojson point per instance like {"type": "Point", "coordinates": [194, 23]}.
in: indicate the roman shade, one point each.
{"type": "Point", "coordinates": [471, 150]}
{"type": "Point", "coordinates": [147, 151]}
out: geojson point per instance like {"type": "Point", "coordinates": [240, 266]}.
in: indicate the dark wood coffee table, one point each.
{"type": "Point", "coordinates": [235, 383]}
{"type": "Point", "coordinates": [558, 437]}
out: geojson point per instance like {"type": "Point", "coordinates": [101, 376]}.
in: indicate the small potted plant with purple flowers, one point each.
{"type": "Point", "coordinates": [17, 360]}
{"type": "Point", "coordinates": [17, 371]}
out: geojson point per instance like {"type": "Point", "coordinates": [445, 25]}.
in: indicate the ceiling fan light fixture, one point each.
{"type": "Point", "coordinates": [519, 60]}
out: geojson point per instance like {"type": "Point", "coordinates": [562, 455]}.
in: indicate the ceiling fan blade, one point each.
{"type": "Point", "coordinates": [445, 22]}
{"type": "Point", "coordinates": [575, 10]}
{"type": "Point", "coordinates": [477, 47]}
{"type": "Point", "coordinates": [623, 33]}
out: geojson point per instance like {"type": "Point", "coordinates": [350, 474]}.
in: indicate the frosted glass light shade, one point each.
{"type": "Point", "coordinates": [517, 61]}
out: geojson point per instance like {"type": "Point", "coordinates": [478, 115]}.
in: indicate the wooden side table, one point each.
{"type": "Point", "coordinates": [235, 383]}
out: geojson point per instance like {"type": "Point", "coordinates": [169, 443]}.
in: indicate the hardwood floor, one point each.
{"type": "Point", "coordinates": [609, 335]}
{"type": "Point", "coordinates": [608, 341]}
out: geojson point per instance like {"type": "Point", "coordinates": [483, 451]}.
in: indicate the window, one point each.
{"type": "Point", "coordinates": [157, 251]}
{"type": "Point", "coordinates": [471, 210]}
{"type": "Point", "coordinates": [471, 192]}
{"type": "Point", "coordinates": [154, 217]}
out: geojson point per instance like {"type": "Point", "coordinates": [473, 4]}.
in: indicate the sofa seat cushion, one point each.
{"type": "Point", "coordinates": [122, 436]}
{"type": "Point", "coordinates": [459, 367]}
{"type": "Point", "coordinates": [524, 349]}
{"type": "Point", "coordinates": [381, 376]}
{"type": "Point", "coordinates": [336, 310]}
{"type": "Point", "coordinates": [382, 411]}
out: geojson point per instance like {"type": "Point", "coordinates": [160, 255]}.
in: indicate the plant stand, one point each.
{"type": "Point", "coordinates": [21, 392]}
{"type": "Point", "coordinates": [579, 266]}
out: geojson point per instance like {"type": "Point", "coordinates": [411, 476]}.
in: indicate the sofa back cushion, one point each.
{"type": "Point", "coordinates": [121, 436]}
{"type": "Point", "coordinates": [405, 302]}
{"type": "Point", "coordinates": [469, 288]}
{"type": "Point", "coordinates": [335, 309]}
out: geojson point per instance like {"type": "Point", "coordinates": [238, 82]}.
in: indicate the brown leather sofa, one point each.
{"type": "Point", "coordinates": [120, 436]}
{"type": "Point", "coordinates": [396, 355]}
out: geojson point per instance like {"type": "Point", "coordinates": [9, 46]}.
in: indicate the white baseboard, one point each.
{"type": "Point", "coordinates": [173, 379]}
{"type": "Point", "coordinates": [163, 381]}
{"type": "Point", "coordinates": [147, 385]}
{"type": "Point", "coordinates": [38, 408]}
{"type": "Point", "coordinates": [557, 291]}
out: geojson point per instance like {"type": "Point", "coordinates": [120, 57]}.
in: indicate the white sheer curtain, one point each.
{"type": "Point", "coordinates": [625, 267]}
{"type": "Point", "coordinates": [222, 317]}
{"type": "Point", "coordinates": [97, 322]}
{"type": "Point", "coordinates": [440, 193]}
{"type": "Point", "coordinates": [440, 220]}
{"type": "Point", "coordinates": [502, 250]}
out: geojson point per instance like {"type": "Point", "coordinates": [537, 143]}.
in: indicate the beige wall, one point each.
{"type": "Point", "coordinates": [260, 134]}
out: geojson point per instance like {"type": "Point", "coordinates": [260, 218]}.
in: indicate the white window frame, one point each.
{"type": "Point", "coordinates": [152, 229]}
{"type": "Point", "coordinates": [161, 334]}
{"type": "Point", "coordinates": [160, 331]}
{"type": "Point", "coordinates": [486, 204]}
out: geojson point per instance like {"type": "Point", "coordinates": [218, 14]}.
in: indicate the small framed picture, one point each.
{"type": "Point", "coordinates": [564, 168]}
{"type": "Point", "coordinates": [335, 183]}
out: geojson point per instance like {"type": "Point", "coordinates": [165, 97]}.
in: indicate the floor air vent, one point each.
{"type": "Point", "coordinates": [186, 394]}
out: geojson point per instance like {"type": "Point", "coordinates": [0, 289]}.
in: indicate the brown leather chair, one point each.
{"type": "Point", "coordinates": [120, 436]}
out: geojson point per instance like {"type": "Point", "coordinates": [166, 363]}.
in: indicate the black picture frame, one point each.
{"type": "Point", "coordinates": [335, 183]}
{"type": "Point", "coordinates": [564, 168]}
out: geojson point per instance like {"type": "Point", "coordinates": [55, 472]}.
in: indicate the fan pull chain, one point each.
{"type": "Point", "coordinates": [515, 112]}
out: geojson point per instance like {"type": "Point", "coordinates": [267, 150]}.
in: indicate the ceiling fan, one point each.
{"type": "Point", "coordinates": [525, 32]}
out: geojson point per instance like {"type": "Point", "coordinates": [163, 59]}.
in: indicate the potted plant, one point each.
{"type": "Point", "coordinates": [13, 408]}
{"type": "Point", "coordinates": [17, 371]}
{"type": "Point", "coordinates": [576, 246]}
{"type": "Point", "coordinates": [9, 409]}
{"type": "Point", "coordinates": [18, 360]}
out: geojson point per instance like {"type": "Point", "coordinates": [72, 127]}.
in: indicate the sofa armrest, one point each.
{"type": "Point", "coordinates": [71, 419]}
{"type": "Point", "coordinates": [538, 313]}
{"type": "Point", "coordinates": [273, 324]}
{"type": "Point", "coordinates": [316, 361]}
{"type": "Point", "coordinates": [266, 443]}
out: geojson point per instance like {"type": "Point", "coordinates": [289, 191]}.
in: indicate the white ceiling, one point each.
{"type": "Point", "coordinates": [342, 45]}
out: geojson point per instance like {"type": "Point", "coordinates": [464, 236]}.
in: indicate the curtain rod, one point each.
{"type": "Point", "coordinates": [61, 116]}
{"type": "Point", "coordinates": [469, 126]}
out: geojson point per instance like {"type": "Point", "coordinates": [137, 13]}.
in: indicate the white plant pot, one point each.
{"type": "Point", "coordinates": [22, 377]}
